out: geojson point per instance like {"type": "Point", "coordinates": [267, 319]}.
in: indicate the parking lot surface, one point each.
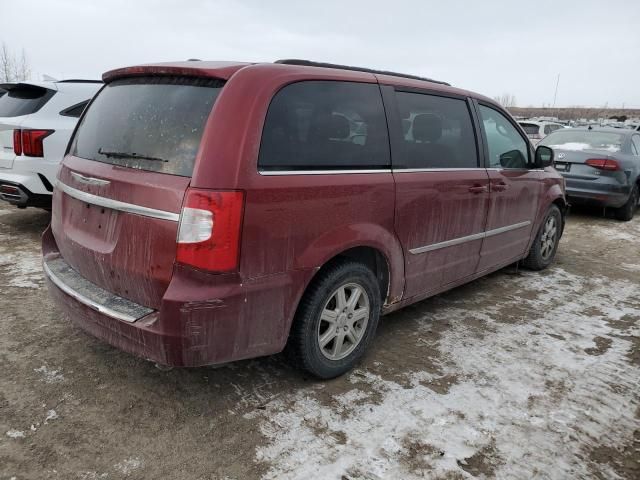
{"type": "Point", "coordinates": [517, 375]}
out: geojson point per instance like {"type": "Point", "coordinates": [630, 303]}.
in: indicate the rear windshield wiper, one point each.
{"type": "Point", "coordinates": [114, 154]}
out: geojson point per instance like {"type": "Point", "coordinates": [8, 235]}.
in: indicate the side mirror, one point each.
{"type": "Point", "coordinates": [544, 157]}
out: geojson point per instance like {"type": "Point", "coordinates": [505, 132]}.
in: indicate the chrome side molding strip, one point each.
{"type": "Point", "coordinates": [272, 173]}
{"type": "Point", "coordinates": [116, 204]}
{"type": "Point", "coordinates": [84, 300]}
{"type": "Point", "coordinates": [468, 238]}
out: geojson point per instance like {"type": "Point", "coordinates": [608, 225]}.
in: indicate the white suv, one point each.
{"type": "Point", "coordinates": [36, 122]}
{"type": "Point", "coordinates": [536, 131]}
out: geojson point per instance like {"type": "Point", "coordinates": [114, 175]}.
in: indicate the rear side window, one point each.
{"type": "Point", "coordinates": [437, 132]}
{"type": "Point", "coordinates": [147, 123]}
{"type": "Point", "coordinates": [325, 125]}
{"type": "Point", "coordinates": [24, 100]}
{"type": "Point", "coordinates": [75, 110]}
{"type": "Point", "coordinates": [530, 128]}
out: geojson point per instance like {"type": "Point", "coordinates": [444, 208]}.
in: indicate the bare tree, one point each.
{"type": "Point", "coordinates": [12, 67]}
{"type": "Point", "coordinates": [506, 100]}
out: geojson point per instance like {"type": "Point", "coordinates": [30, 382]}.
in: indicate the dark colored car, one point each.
{"type": "Point", "coordinates": [208, 212]}
{"type": "Point", "coordinates": [601, 167]}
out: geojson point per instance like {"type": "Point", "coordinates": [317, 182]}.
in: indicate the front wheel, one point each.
{"type": "Point", "coordinates": [545, 244]}
{"type": "Point", "coordinates": [628, 210]}
{"type": "Point", "coordinates": [336, 320]}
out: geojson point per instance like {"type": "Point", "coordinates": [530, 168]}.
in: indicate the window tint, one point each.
{"type": "Point", "coordinates": [507, 149]}
{"type": "Point", "coordinates": [148, 123]}
{"type": "Point", "coordinates": [547, 129]}
{"type": "Point", "coordinates": [24, 100]}
{"type": "Point", "coordinates": [437, 132]}
{"type": "Point", "coordinates": [325, 125]}
{"type": "Point", "coordinates": [75, 110]}
{"type": "Point", "coordinates": [636, 143]}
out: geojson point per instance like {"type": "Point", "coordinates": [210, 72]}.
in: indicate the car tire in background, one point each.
{"type": "Point", "coordinates": [544, 247]}
{"type": "Point", "coordinates": [336, 320]}
{"type": "Point", "coordinates": [628, 210]}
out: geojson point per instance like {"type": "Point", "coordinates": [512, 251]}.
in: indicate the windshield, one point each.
{"type": "Point", "coordinates": [23, 100]}
{"type": "Point", "coordinates": [148, 123]}
{"type": "Point", "coordinates": [567, 139]}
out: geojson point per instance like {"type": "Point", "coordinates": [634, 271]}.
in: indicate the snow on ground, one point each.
{"type": "Point", "coordinates": [528, 400]}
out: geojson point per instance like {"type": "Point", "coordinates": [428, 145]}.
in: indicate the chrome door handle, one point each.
{"type": "Point", "coordinates": [478, 189]}
{"type": "Point", "coordinates": [499, 187]}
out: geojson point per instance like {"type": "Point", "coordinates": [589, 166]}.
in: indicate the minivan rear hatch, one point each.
{"type": "Point", "coordinates": [120, 189]}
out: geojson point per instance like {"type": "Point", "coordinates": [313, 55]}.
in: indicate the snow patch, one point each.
{"type": "Point", "coordinates": [527, 392]}
{"type": "Point", "coordinates": [49, 375]}
{"type": "Point", "coordinates": [15, 433]}
{"type": "Point", "coordinates": [129, 465]}
{"type": "Point", "coordinates": [51, 415]}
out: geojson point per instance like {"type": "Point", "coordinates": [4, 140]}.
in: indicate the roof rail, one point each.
{"type": "Point", "coordinates": [309, 63]}
{"type": "Point", "coordinates": [78, 80]}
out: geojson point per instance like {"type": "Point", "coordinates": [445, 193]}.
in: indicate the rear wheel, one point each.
{"type": "Point", "coordinates": [545, 245]}
{"type": "Point", "coordinates": [628, 210]}
{"type": "Point", "coordinates": [336, 320]}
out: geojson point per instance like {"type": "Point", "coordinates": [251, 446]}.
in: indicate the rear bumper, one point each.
{"type": "Point", "coordinates": [20, 196]}
{"type": "Point", "coordinates": [204, 319]}
{"type": "Point", "coordinates": [587, 192]}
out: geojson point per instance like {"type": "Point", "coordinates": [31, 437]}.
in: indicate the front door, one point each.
{"type": "Point", "coordinates": [515, 190]}
{"type": "Point", "coordinates": [442, 193]}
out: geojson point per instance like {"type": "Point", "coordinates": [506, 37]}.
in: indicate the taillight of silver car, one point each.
{"type": "Point", "coordinates": [603, 164]}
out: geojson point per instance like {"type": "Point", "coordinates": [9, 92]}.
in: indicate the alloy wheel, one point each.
{"type": "Point", "coordinates": [548, 239]}
{"type": "Point", "coordinates": [343, 321]}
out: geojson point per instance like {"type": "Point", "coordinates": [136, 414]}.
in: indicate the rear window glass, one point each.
{"type": "Point", "coordinates": [567, 139]}
{"type": "Point", "coordinates": [25, 100]}
{"type": "Point", "coordinates": [530, 128]}
{"type": "Point", "coordinates": [316, 125]}
{"type": "Point", "coordinates": [147, 123]}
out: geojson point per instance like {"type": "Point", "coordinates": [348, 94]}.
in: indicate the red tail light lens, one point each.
{"type": "Point", "coordinates": [17, 142]}
{"type": "Point", "coordinates": [209, 231]}
{"type": "Point", "coordinates": [603, 164]}
{"type": "Point", "coordinates": [32, 142]}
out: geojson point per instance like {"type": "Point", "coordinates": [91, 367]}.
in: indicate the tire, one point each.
{"type": "Point", "coordinates": [628, 210]}
{"type": "Point", "coordinates": [322, 308]}
{"type": "Point", "coordinates": [544, 248]}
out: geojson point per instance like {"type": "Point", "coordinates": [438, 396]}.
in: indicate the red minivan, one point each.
{"type": "Point", "coordinates": [207, 212]}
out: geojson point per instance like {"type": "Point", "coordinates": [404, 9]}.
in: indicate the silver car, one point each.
{"type": "Point", "coordinates": [600, 165]}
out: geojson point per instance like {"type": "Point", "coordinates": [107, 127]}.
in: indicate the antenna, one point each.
{"type": "Point", "coordinates": [555, 95]}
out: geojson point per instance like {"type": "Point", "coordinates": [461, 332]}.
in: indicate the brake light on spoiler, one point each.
{"type": "Point", "coordinates": [209, 230]}
{"type": "Point", "coordinates": [28, 142]}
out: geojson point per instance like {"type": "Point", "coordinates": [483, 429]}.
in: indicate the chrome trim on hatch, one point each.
{"type": "Point", "coordinates": [89, 180]}
{"type": "Point", "coordinates": [84, 300]}
{"type": "Point", "coordinates": [319, 172]}
{"type": "Point", "coordinates": [468, 238]}
{"type": "Point", "coordinates": [116, 204]}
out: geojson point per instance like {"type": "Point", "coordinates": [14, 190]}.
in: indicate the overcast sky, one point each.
{"type": "Point", "coordinates": [492, 47]}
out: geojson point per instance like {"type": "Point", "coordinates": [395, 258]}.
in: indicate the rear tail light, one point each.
{"type": "Point", "coordinates": [29, 142]}
{"type": "Point", "coordinates": [603, 164]}
{"type": "Point", "coordinates": [209, 231]}
{"type": "Point", "coordinates": [17, 142]}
